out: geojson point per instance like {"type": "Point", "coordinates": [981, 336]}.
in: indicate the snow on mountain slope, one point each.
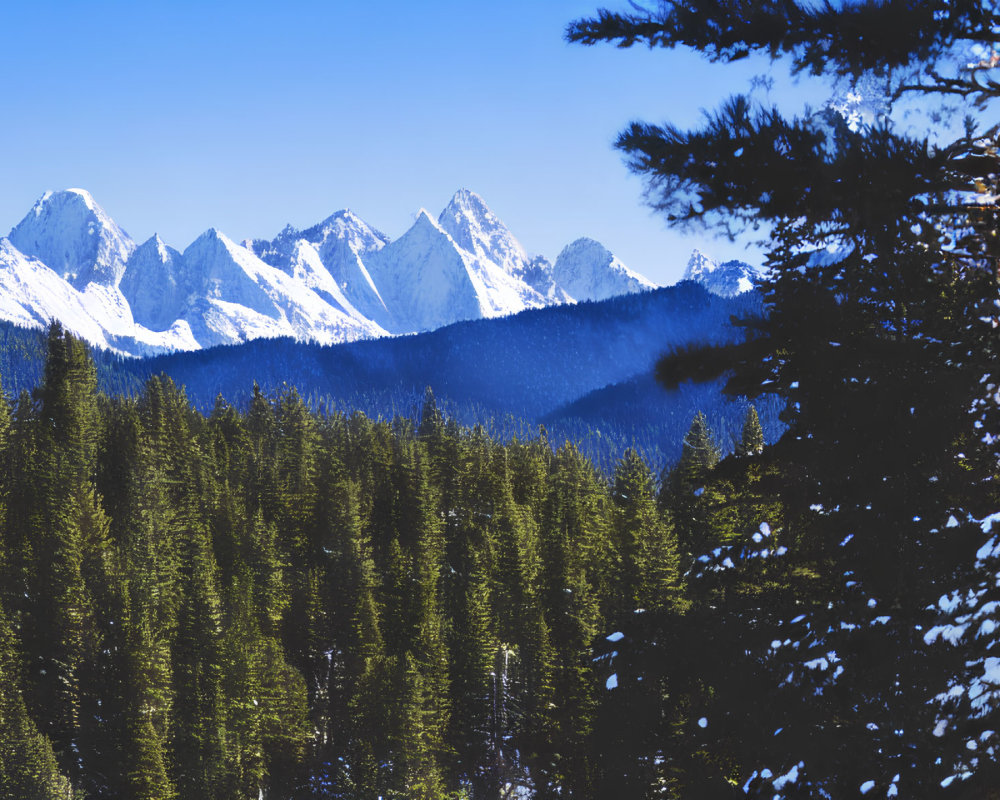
{"type": "Point", "coordinates": [426, 281]}
{"type": "Point", "coordinates": [477, 230]}
{"type": "Point", "coordinates": [32, 294]}
{"type": "Point", "coordinates": [152, 284]}
{"type": "Point", "coordinates": [75, 238]}
{"type": "Point", "coordinates": [726, 280]}
{"type": "Point", "coordinates": [538, 275]}
{"type": "Point", "coordinates": [587, 270]}
{"type": "Point", "coordinates": [237, 296]}
{"type": "Point", "coordinates": [337, 281]}
{"type": "Point", "coordinates": [328, 257]}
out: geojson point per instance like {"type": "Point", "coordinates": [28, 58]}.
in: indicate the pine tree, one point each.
{"type": "Point", "coordinates": [576, 561]}
{"type": "Point", "coordinates": [368, 678]}
{"type": "Point", "coordinates": [199, 736]}
{"type": "Point", "coordinates": [62, 636]}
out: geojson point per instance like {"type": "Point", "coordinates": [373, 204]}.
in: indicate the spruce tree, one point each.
{"type": "Point", "coordinates": [576, 558]}
{"type": "Point", "coordinates": [62, 636]}
{"type": "Point", "coordinates": [199, 667]}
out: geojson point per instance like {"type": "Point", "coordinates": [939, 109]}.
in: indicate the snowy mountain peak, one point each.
{"type": "Point", "coordinates": [219, 258]}
{"type": "Point", "coordinates": [155, 244]}
{"type": "Point", "coordinates": [587, 270]}
{"type": "Point", "coordinates": [348, 227]}
{"type": "Point", "coordinates": [217, 235]}
{"type": "Point", "coordinates": [699, 264]}
{"type": "Point", "coordinates": [477, 230]}
{"type": "Point", "coordinates": [424, 217]}
{"type": "Point", "coordinates": [154, 284]}
{"type": "Point", "coordinates": [471, 204]}
{"type": "Point", "coordinates": [84, 195]}
{"type": "Point", "coordinates": [75, 237]}
{"type": "Point", "coordinates": [338, 280]}
{"type": "Point", "coordinates": [425, 280]}
{"type": "Point", "coordinates": [726, 280]}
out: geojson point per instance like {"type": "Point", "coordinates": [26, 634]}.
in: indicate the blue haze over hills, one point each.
{"type": "Point", "coordinates": [584, 371]}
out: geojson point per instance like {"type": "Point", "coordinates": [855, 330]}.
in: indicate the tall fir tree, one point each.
{"type": "Point", "coordinates": [649, 563]}
{"type": "Point", "coordinates": [752, 438]}
{"type": "Point", "coordinates": [686, 493]}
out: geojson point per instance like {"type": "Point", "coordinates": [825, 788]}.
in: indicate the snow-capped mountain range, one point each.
{"type": "Point", "coordinates": [338, 281]}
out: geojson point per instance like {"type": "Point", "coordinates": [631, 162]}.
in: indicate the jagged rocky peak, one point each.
{"type": "Point", "coordinates": [726, 280]}
{"type": "Point", "coordinates": [75, 237]}
{"type": "Point", "coordinates": [214, 241]}
{"type": "Point", "coordinates": [153, 284]}
{"type": "Point", "coordinates": [587, 270]}
{"type": "Point", "coordinates": [468, 211]}
{"type": "Point", "coordinates": [425, 280]}
{"type": "Point", "coordinates": [220, 269]}
{"type": "Point", "coordinates": [342, 228]}
{"type": "Point", "coordinates": [699, 264]}
{"type": "Point", "coordinates": [329, 257]}
{"type": "Point", "coordinates": [475, 228]}
{"type": "Point", "coordinates": [348, 227]}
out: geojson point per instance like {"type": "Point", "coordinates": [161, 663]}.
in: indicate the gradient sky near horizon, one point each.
{"type": "Point", "coordinates": [244, 116]}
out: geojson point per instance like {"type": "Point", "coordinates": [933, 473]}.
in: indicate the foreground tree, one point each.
{"type": "Point", "coordinates": [28, 769]}
{"type": "Point", "coordinates": [881, 337]}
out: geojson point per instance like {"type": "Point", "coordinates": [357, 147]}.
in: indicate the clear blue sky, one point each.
{"type": "Point", "coordinates": [180, 116]}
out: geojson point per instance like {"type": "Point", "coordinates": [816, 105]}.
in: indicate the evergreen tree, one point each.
{"type": "Point", "coordinates": [879, 334]}
{"type": "Point", "coordinates": [28, 769]}
{"type": "Point", "coordinates": [647, 547]}
{"type": "Point", "coordinates": [368, 678]}
{"type": "Point", "coordinates": [62, 635]}
{"type": "Point", "coordinates": [686, 492]}
{"type": "Point", "coordinates": [575, 546]}
{"type": "Point", "coordinates": [752, 438]}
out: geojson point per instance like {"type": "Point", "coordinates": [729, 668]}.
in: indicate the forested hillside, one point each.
{"type": "Point", "coordinates": [526, 364]}
{"type": "Point", "coordinates": [282, 603]}
{"type": "Point", "coordinates": [583, 370]}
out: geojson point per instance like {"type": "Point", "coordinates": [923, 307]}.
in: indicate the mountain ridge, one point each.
{"type": "Point", "coordinates": [339, 280]}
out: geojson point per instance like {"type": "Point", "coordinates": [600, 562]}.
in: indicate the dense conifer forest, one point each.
{"type": "Point", "coordinates": [305, 605]}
